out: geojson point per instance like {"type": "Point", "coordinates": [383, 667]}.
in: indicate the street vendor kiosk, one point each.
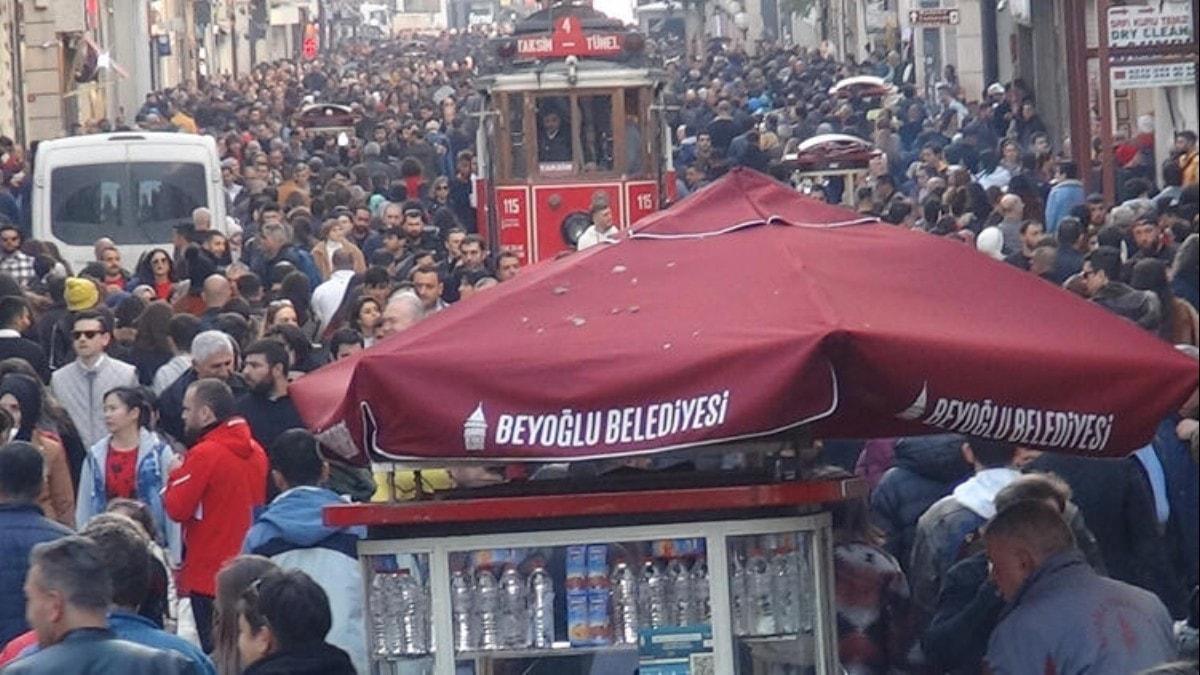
{"type": "Point", "coordinates": [643, 406]}
{"type": "Point", "coordinates": [833, 165]}
{"type": "Point", "coordinates": [730, 579]}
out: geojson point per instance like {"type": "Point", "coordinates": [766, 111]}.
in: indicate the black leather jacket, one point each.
{"type": "Point", "coordinates": [96, 651]}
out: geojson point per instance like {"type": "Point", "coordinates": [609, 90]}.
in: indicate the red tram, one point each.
{"type": "Point", "coordinates": [572, 114]}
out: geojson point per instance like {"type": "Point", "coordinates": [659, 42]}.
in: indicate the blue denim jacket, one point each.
{"type": "Point", "coordinates": [154, 455]}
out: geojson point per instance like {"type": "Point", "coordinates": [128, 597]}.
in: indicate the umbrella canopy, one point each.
{"type": "Point", "coordinates": [745, 310]}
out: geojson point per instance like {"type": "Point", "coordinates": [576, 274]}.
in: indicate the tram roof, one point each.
{"type": "Point", "coordinates": [542, 20]}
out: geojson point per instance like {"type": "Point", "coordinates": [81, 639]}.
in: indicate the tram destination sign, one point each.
{"type": "Point", "coordinates": [1159, 24]}
{"type": "Point", "coordinates": [568, 39]}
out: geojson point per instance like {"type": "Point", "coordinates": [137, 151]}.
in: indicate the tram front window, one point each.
{"type": "Point", "coordinates": [554, 135]}
{"type": "Point", "coordinates": [597, 130]}
{"type": "Point", "coordinates": [513, 121]}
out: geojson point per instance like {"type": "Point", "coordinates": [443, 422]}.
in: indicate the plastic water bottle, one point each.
{"type": "Point", "coordinates": [681, 592]}
{"type": "Point", "coordinates": [514, 619]}
{"type": "Point", "coordinates": [380, 616]}
{"type": "Point", "coordinates": [395, 611]}
{"type": "Point", "coordinates": [414, 632]}
{"type": "Point", "coordinates": [762, 610]}
{"type": "Point", "coordinates": [625, 607]}
{"type": "Point", "coordinates": [461, 600]}
{"type": "Point", "coordinates": [805, 589]}
{"type": "Point", "coordinates": [701, 603]}
{"type": "Point", "coordinates": [541, 607]}
{"type": "Point", "coordinates": [643, 593]}
{"type": "Point", "coordinates": [486, 604]}
{"type": "Point", "coordinates": [654, 588]}
{"type": "Point", "coordinates": [785, 587]}
{"type": "Point", "coordinates": [739, 599]}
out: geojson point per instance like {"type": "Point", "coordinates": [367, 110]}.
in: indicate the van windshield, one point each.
{"type": "Point", "coordinates": [130, 203]}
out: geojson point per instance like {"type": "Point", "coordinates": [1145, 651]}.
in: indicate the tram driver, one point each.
{"type": "Point", "coordinates": [554, 143]}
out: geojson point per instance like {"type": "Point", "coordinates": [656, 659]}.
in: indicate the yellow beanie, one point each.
{"type": "Point", "coordinates": [81, 294]}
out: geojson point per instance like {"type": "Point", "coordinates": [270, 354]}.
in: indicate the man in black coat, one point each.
{"type": "Point", "coordinates": [213, 355]}
{"type": "Point", "coordinates": [22, 526]}
{"type": "Point", "coordinates": [925, 469]}
{"type": "Point", "coordinates": [15, 319]}
{"type": "Point", "coordinates": [554, 143]}
{"type": "Point", "coordinates": [1118, 506]}
{"type": "Point", "coordinates": [266, 404]}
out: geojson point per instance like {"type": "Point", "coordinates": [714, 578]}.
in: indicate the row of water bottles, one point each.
{"type": "Point", "coordinates": [399, 606]}
{"type": "Point", "coordinates": [771, 591]}
{"type": "Point", "coordinates": [658, 596]}
{"type": "Point", "coordinates": [505, 612]}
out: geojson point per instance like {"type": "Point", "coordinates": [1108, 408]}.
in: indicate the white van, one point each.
{"type": "Point", "coordinates": [132, 187]}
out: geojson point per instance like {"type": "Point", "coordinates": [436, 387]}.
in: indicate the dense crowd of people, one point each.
{"type": "Point", "coordinates": [158, 487]}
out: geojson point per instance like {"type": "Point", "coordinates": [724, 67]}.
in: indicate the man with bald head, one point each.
{"type": "Point", "coordinates": [216, 294]}
{"type": "Point", "coordinates": [1011, 209]}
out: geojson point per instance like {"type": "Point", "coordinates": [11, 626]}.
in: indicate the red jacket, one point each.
{"type": "Point", "coordinates": [213, 496]}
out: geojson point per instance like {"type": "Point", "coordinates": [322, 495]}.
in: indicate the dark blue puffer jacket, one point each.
{"type": "Point", "coordinates": [22, 527]}
{"type": "Point", "coordinates": [925, 469]}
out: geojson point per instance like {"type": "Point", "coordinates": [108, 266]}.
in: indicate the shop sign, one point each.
{"type": "Point", "coordinates": [1144, 76]}
{"type": "Point", "coordinates": [933, 16]}
{"type": "Point", "coordinates": [1158, 24]}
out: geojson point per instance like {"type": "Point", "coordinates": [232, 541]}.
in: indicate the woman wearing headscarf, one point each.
{"type": "Point", "coordinates": [21, 397]}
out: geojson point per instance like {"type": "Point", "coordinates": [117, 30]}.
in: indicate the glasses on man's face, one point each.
{"type": "Point", "coordinates": [87, 334]}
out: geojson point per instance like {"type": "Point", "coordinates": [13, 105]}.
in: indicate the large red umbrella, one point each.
{"type": "Point", "coordinates": [742, 311]}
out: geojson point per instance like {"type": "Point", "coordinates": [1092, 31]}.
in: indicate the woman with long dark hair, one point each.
{"type": "Point", "coordinates": [21, 398]}
{"type": "Point", "coordinates": [991, 172]}
{"type": "Point", "coordinates": [152, 346]}
{"type": "Point", "coordinates": [296, 289]}
{"type": "Point", "coordinates": [1180, 325]}
{"type": "Point", "coordinates": [130, 462]}
{"type": "Point", "coordinates": [156, 269]}
{"type": "Point", "coordinates": [365, 317]}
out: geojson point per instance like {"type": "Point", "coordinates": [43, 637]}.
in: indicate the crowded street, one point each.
{"type": "Point", "coordinates": [675, 338]}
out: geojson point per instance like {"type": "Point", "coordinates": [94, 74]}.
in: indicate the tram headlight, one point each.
{"type": "Point", "coordinates": [574, 225]}
{"type": "Point", "coordinates": [572, 62]}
